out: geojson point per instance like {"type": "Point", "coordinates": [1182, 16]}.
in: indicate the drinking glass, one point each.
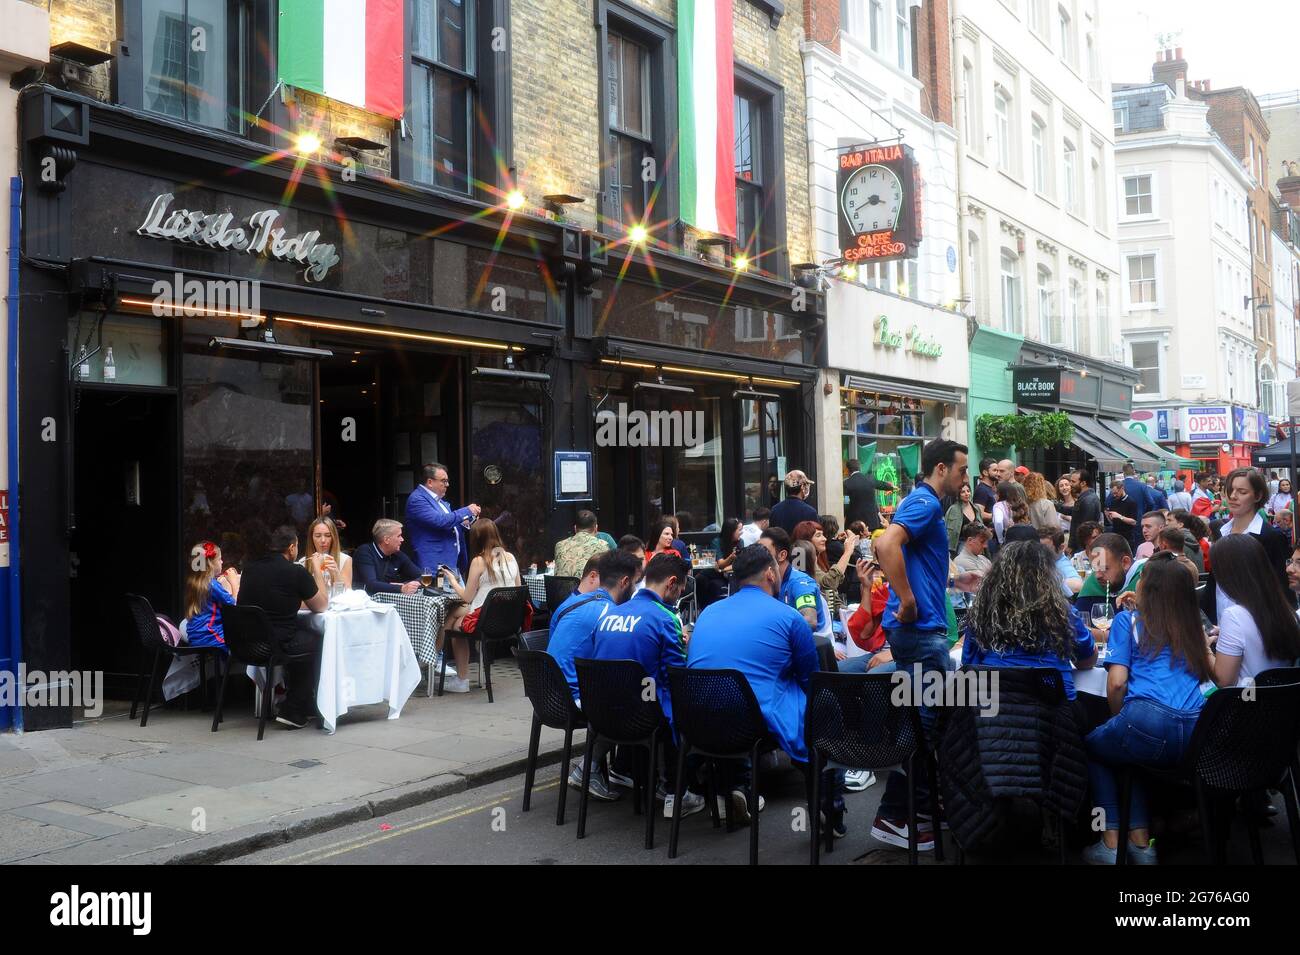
{"type": "Point", "coordinates": [1102, 615]}
{"type": "Point", "coordinates": [426, 578]}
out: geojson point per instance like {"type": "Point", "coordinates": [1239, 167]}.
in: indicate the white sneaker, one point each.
{"type": "Point", "coordinates": [741, 803]}
{"type": "Point", "coordinates": [456, 685]}
{"type": "Point", "coordinates": [691, 804]}
{"type": "Point", "coordinates": [856, 780]}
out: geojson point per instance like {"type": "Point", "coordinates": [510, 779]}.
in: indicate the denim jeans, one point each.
{"type": "Point", "coordinates": [1142, 733]}
{"type": "Point", "coordinates": [859, 664]}
{"type": "Point", "coordinates": [929, 648]}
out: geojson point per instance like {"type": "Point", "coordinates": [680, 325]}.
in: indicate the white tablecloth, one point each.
{"type": "Point", "coordinates": [1091, 681]}
{"type": "Point", "coordinates": [366, 657]}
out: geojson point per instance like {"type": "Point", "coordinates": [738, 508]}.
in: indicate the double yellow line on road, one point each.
{"type": "Point", "coordinates": [322, 853]}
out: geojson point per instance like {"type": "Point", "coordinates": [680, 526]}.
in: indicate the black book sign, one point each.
{"type": "Point", "coordinates": [879, 204]}
{"type": "Point", "coordinates": [1033, 387]}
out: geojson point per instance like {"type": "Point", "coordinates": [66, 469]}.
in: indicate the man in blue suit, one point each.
{"type": "Point", "coordinates": [1136, 488]}
{"type": "Point", "coordinates": [435, 528]}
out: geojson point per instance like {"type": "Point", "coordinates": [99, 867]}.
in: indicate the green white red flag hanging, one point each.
{"type": "Point", "coordinates": [348, 50]}
{"type": "Point", "coordinates": [705, 106]}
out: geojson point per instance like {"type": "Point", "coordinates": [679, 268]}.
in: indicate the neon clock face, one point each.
{"type": "Point", "coordinates": [872, 199]}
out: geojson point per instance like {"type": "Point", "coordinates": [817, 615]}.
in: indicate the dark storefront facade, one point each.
{"type": "Point", "coordinates": [435, 328]}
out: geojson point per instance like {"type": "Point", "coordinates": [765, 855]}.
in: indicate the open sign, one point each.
{"type": "Point", "coordinates": [1207, 424]}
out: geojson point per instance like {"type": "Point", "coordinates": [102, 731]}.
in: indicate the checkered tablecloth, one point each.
{"type": "Point", "coordinates": [536, 585]}
{"type": "Point", "coordinates": [423, 616]}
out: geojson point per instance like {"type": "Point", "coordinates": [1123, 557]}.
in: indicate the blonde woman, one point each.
{"type": "Point", "coordinates": [323, 538]}
{"type": "Point", "coordinates": [1040, 494]}
{"type": "Point", "coordinates": [493, 566]}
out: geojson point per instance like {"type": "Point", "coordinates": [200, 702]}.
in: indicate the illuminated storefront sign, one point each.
{"type": "Point", "coordinates": [879, 204]}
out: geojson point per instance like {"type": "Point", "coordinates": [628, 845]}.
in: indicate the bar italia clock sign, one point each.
{"type": "Point", "coordinates": [879, 203]}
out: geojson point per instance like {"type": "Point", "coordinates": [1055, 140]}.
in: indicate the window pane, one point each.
{"type": "Point", "coordinates": [627, 190]}
{"type": "Point", "coordinates": [626, 86]}
{"type": "Point", "coordinates": [748, 132]}
{"type": "Point", "coordinates": [165, 43]}
{"type": "Point", "coordinates": [749, 204]}
{"type": "Point", "coordinates": [207, 68]}
{"type": "Point", "coordinates": [451, 104]}
{"type": "Point", "coordinates": [699, 468]}
{"type": "Point", "coordinates": [452, 47]}
{"type": "Point", "coordinates": [423, 24]}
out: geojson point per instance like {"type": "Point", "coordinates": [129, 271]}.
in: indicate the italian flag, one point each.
{"type": "Point", "coordinates": [706, 142]}
{"type": "Point", "coordinates": [348, 50]}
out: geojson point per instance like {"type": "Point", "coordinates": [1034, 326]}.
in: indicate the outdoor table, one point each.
{"type": "Point", "coordinates": [423, 613]}
{"type": "Point", "coordinates": [1091, 681]}
{"type": "Point", "coordinates": [366, 657]}
{"type": "Point", "coordinates": [536, 584]}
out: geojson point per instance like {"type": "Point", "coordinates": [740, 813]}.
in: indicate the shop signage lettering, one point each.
{"type": "Point", "coordinates": [879, 201]}
{"type": "Point", "coordinates": [910, 341]}
{"type": "Point", "coordinates": [1207, 423]}
{"type": "Point", "coordinates": [256, 235]}
{"type": "Point", "coordinates": [1036, 387]}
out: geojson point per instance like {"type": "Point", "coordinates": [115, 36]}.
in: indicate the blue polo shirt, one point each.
{"type": "Point", "coordinates": [574, 635]}
{"type": "Point", "coordinates": [645, 630]}
{"type": "Point", "coordinates": [1162, 679]}
{"type": "Point", "coordinates": [799, 590]}
{"type": "Point", "coordinates": [771, 645]}
{"type": "Point", "coordinates": [925, 556]}
{"type": "Point", "coordinates": [1081, 647]}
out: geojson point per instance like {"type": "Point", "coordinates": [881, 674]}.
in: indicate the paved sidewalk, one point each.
{"type": "Point", "coordinates": [107, 791]}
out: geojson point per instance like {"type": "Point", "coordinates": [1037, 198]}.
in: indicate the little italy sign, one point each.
{"type": "Point", "coordinates": [257, 235]}
{"type": "Point", "coordinates": [912, 340]}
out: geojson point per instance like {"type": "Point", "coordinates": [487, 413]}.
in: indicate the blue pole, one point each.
{"type": "Point", "coordinates": [15, 594]}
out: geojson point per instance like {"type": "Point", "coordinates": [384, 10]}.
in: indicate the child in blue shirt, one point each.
{"type": "Point", "coordinates": [207, 587]}
{"type": "Point", "coordinates": [1157, 669]}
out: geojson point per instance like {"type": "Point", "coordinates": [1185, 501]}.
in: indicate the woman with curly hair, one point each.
{"type": "Point", "coordinates": [1021, 618]}
{"type": "Point", "coordinates": [1012, 508]}
{"type": "Point", "coordinates": [1040, 494]}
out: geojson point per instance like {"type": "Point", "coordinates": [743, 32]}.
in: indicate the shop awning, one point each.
{"type": "Point", "coordinates": [1275, 455]}
{"type": "Point", "coordinates": [1123, 441]}
{"type": "Point", "coordinates": [1165, 459]}
{"type": "Point", "coordinates": [1107, 458]}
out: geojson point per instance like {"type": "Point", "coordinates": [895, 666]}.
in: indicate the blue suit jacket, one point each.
{"type": "Point", "coordinates": [435, 534]}
{"type": "Point", "coordinates": [1141, 492]}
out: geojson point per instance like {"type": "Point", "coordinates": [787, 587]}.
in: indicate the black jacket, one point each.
{"type": "Point", "coordinates": [376, 574]}
{"type": "Point", "coordinates": [1031, 749]}
{"type": "Point", "coordinates": [1086, 508]}
{"type": "Point", "coordinates": [863, 506]}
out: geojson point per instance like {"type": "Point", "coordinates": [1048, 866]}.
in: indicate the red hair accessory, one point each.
{"type": "Point", "coordinates": [209, 550]}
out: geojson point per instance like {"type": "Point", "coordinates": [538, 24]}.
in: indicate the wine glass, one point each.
{"type": "Point", "coordinates": [1102, 615]}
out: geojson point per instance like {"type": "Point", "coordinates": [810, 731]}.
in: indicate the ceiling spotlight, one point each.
{"type": "Point", "coordinates": [306, 144]}
{"type": "Point", "coordinates": [742, 263]}
{"type": "Point", "coordinates": [515, 200]}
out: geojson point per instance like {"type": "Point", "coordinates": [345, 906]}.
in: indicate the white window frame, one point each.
{"type": "Point", "coordinates": [1129, 304]}
{"type": "Point", "coordinates": [974, 272]}
{"type": "Point", "coordinates": [1161, 364]}
{"type": "Point", "coordinates": [974, 130]}
{"type": "Point", "coordinates": [1046, 309]}
{"type": "Point", "coordinates": [1013, 291]}
{"type": "Point", "coordinates": [1100, 219]}
{"type": "Point", "coordinates": [1067, 36]}
{"type": "Point", "coordinates": [1267, 389]}
{"type": "Point", "coordinates": [1070, 175]}
{"type": "Point", "coordinates": [1150, 194]}
{"type": "Point", "coordinates": [1039, 148]}
{"type": "Point", "coordinates": [1103, 323]}
{"type": "Point", "coordinates": [1003, 128]}
{"type": "Point", "coordinates": [1121, 108]}
{"type": "Point", "coordinates": [875, 24]}
{"type": "Point", "coordinates": [903, 36]}
{"type": "Point", "coordinates": [1070, 321]}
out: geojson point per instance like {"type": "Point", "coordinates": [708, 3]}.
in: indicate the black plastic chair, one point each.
{"type": "Point", "coordinates": [499, 621]}
{"type": "Point", "coordinates": [558, 590]}
{"type": "Point", "coordinates": [553, 706]}
{"type": "Point", "coordinates": [852, 721]}
{"type": "Point", "coordinates": [145, 623]}
{"type": "Point", "coordinates": [613, 701]}
{"type": "Point", "coordinates": [1244, 742]}
{"type": "Point", "coordinates": [716, 715]}
{"type": "Point", "coordinates": [253, 641]}
{"type": "Point", "coordinates": [534, 640]}
{"type": "Point", "coordinates": [688, 603]}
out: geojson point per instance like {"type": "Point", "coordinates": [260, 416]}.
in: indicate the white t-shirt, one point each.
{"type": "Point", "coordinates": [1240, 637]}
